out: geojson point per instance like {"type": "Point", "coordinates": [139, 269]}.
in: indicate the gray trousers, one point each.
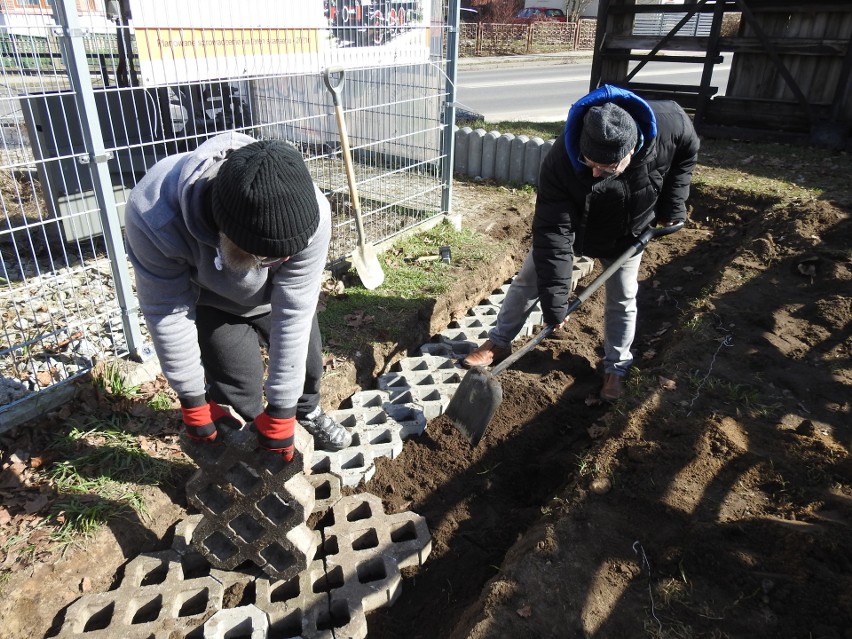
{"type": "Point", "coordinates": [619, 315]}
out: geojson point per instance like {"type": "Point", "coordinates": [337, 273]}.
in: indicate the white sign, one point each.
{"type": "Point", "coordinates": [197, 40]}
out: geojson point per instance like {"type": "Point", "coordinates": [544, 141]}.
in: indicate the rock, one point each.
{"type": "Point", "coordinates": [600, 486]}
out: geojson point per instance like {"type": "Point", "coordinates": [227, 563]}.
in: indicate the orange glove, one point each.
{"type": "Point", "coordinates": [202, 418]}
{"type": "Point", "coordinates": [275, 434]}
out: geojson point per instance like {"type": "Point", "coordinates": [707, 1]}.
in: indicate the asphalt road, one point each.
{"type": "Point", "coordinates": [542, 90]}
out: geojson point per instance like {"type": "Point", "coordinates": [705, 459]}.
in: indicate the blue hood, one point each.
{"type": "Point", "coordinates": [627, 100]}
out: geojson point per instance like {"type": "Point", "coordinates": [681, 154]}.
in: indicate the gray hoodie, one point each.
{"type": "Point", "coordinates": [174, 255]}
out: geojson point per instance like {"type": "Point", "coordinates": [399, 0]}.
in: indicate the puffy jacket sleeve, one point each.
{"type": "Point", "coordinates": [553, 234]}
{"type": "Point", "coordinates": [671, 205]}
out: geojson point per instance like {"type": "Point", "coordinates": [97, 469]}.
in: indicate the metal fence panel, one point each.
{"type": "Point", "coordinates": [91, 100]}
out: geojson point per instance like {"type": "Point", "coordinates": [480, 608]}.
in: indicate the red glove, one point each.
{"type": "Point", "coordinates": [201, 418]}
{"type": "Point", "coordinates": [275, 434]}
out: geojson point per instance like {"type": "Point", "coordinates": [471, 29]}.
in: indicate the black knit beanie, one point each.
{"type": "Point", "coordinates": [264, 199]}
{"type": "Point", "coordinates": [609, 134]}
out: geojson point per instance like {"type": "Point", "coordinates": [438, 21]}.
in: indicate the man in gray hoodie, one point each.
{"type": "Point", "coordinates": [228, 244]}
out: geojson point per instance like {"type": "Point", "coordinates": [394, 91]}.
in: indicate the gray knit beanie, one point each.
{"type": "Point", "coordinates": [264, 199]}
{"type": "Point", "coordinates": [609, 134]}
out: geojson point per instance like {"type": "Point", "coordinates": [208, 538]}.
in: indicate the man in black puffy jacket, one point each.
{"type": "Point", "coordinates": [621, 165]}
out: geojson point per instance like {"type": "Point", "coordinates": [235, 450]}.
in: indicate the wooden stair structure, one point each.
{"type": "Point", "coordinates": [791, 64]}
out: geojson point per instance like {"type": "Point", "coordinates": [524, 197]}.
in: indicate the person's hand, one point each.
{"type": "Point", "coordinates": [202, 418]}
{"type": "Point", "coordinates": [561, 325]}
{"type": "Point", "coordinates": [275, 434]}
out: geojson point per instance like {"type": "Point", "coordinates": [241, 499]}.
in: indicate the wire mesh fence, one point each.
{"type": "Point", "coordinates": [93, 94]}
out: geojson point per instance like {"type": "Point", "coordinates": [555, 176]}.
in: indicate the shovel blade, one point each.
{"type": "Point", "coordinates": [367, 265]}
{"type": "Point", "coordinates": [474, 403]}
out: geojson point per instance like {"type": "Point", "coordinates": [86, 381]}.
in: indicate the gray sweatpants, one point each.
{"type": "Point", "coordinates": [619, 315]}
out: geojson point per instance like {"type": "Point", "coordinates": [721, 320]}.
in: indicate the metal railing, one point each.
{"type": "Point", "coordinates": [90, 102]}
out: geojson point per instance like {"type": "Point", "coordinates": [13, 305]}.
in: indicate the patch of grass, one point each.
{"type": "Point", "coordinates": [586, 465]}
{"type": "Point", "coordinates": [742, 397]}
{"type": "Point", "coordinates": [103, 453]}
{"type": "Point", "coordinates": [110, 380]}
{"type": "Point", "coordinates": [161, 401]}
{"type": "Point", "coordinates": [637, 383]}
{"type": "Point", "coordinates": [98, 477]}
{"type": "Point", "coordinates": [79, 517]}
{"type": "Point", "coordinates": [414, 275]}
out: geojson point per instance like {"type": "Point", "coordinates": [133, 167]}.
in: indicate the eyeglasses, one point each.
{"type": "Point", "coordinates": [605, 169]}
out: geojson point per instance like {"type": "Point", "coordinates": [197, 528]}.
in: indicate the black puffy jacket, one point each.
{"type": "Point", "coordinates": [578, 214]}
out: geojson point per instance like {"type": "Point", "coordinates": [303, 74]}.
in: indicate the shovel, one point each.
{"type": "Point", "coordinates": [364, 257]}
{"type": "Point", "coordinates": [479, 394]}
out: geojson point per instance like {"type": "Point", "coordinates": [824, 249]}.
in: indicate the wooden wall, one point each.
{"type": "Point", "coordinates": [791, 64]}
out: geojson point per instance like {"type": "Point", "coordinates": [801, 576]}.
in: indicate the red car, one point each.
{"type": "Point", "coordinates": [536, 14]}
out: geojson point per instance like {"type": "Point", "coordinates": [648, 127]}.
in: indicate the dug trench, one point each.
{"type": "Point", "coordinates": [714, 500]}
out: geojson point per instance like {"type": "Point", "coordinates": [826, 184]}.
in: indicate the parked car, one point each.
{"type": "Point", "coordinates": [535, 14]}
{"type": "Point", "coordinates": [467, 14]}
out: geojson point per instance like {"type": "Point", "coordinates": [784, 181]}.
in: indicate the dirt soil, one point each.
{"type": "Point", "coordinates": [713, 500]}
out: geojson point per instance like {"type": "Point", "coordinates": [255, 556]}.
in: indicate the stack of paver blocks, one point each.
{"type": "Point", "coordinates": [319, 584]}
{"type": "Point", "coordinates": [176, 593]}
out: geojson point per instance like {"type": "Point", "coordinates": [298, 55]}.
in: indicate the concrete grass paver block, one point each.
{"type": "Point", "coordinates": [327, 490]}
{"type": "Point", "coordinates": [377, 431]}
{"type": "Point", "coordinates": [473, 335]}
{"type": "Point", "coordinates": [300, 607]}
{"type": "Point", "coordinates": [400, 405]}
{"type": "Point", "coordinates": [156, 595]}
{"type": "Point", "coordinates": [246, 622]}
{"type": "Point", "coordinates": [366, 548]}
{"type": "Point", "coordinates": [254, 505]}
{"type": "Point", "coordinates": [425, 364]}
{"type": "Point", "coordinates": [350, 464]}
{"type": "Point", "coordinates": [194, 563]}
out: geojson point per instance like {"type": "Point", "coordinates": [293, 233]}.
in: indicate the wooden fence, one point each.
{"type": "Point", "coordinates": [486, 39]}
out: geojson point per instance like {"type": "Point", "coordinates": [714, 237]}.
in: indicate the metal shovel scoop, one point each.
{"type": "Point", "coordinates": [479, 394]}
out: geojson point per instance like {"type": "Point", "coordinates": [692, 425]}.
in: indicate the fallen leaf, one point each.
{"type": "Point", "coordinates": [525, 612]}
{"type": "Point", "coordinates": [667, 384]}
{"type": "Point", "coordinates": [649, 354]}
{"type": "Point", "coordinates": [596, 431]}
{"type": "Point", "coordinates": [357, 319]}
{"type": "Point", "coordinates": [807, 269]}
{"type": "Point", "coordinates": [593, 400]}
{"type": "Point", "coordinates": [665, 326]}
{"type": "Point", "coordinates": [35, 504]}
{"type": "Point", "coordinates": [13, 476]}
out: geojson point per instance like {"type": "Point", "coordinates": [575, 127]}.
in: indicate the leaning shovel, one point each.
{"type": "Point", "coordinates": [364, 256]}
{"type": "Point", "coordinates": [479, 394]}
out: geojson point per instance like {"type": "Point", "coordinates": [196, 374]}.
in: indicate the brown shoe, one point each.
{"type": "Point", "coordinates": [486, 355]}
{"type": "Point", "coordinates": [613, 387]}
